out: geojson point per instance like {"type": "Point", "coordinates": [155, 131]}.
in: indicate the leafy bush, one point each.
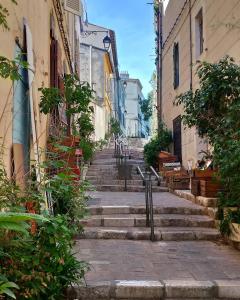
{"type": "Point", "coordinates": [146, 107]}
{"type": "Point", "coordinates": [42, 265]}
{"type": "Point", "coordinates": [214, 109]}
{"type": "Point", "coordinates": [158, 143]}
{"type": "Point", "coordinates": [88, 148]}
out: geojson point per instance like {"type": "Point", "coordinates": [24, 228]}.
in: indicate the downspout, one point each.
{"type": "Point", "coordinates": [191, 54]}
{"type": "Point", "coordinates": [90, 66]}
{"type": "Point", "coordinates": [160, 59]}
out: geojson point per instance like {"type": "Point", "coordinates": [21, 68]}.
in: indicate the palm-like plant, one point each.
{"type": "Point", "coordinates": [18, 221]}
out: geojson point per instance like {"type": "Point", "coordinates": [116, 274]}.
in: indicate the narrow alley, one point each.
{"type": "Point", "coordinates": [187, 260]}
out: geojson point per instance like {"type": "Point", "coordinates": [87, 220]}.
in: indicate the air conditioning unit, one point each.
{"type": "Point", "coordinates": [74, 6]}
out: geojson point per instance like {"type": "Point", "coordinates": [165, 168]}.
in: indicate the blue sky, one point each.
{"type": "Point", "coordinates": [132, 21]}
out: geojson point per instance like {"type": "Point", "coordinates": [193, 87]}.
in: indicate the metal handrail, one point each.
{"type": "Point", "coordinates": [141, 174]}
{"type": "Point", "coordinates": [156, 174]}
{"type": "Point", "coordinates": [121, 146]}
{"type": "Point", "coordinates": [148, 201]}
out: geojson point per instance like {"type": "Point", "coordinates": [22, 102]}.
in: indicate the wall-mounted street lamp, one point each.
{"type": "Point", "coordinates": [125, 84]}
{"type": "Point", "coordinates": [107, 42]}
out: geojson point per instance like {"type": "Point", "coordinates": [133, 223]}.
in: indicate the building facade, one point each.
{"type": "Point", "coordinates": [99, 67]}
{"type": "Point", "coordinates": [135, 124]}
{"type": "Point", "coordinates": [44, 34]}
{"type": "Point", "coordinates": [192, 31]}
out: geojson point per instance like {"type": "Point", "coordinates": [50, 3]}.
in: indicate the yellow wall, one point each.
{"type": "Point", "coordinates": [37, 15]}
{"type": "Point", "coordinates": [107, 84]}
{"type": "Point", "coordinates": [107, 90]}
{"type": "Point", "coordinates": [221, 32]}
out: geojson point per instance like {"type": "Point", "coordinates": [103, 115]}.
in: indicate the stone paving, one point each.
{"type": "Point", "coordinates": [143, 260]}
{"type": "Point", "coordinates": [138, 199]}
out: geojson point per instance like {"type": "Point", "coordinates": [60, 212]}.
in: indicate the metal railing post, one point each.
{"type": "Point", "coordinates": [147, 198]}
{"type": "Point", "coordinates": [152, 236]}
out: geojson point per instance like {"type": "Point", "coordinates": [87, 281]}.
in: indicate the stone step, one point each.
{"type": "Point", "coordinates": [155, 289]}
{"type": "Point", "coordinates": [163, 220]}
{"type": "Point", "coordinates": [111, 172]}
{"type": "Point", "coordinates": [125, 210]}
{"type": "Point", "coordinates": [130, 188]}
{"type": "Point", "coordinates": [104, 181]}
{"type": "Point", "coordinates": [105, 166]}
{"type": "Point", "coordinates": [160, 233]}
{"type": "Point", "coordinates": [108, 176]}
{"type": "Point", "coordinates": [112, 161]}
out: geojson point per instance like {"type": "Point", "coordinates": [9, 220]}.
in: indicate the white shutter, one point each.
{"type": "Point", "coordinates": [74, 6]}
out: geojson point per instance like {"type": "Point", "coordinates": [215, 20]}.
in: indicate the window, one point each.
{"type": "Point", "coordinates": [176, 65]}
{"type": "Point", "coordinates": [199, 33]}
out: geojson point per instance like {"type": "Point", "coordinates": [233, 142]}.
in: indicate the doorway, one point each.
{"type": "Point", "coordinates": [177, 137]}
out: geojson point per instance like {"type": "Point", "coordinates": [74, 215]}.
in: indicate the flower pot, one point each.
{"type": "Point", "coordinates": [203, 173]}
{"type": "Point", "coordinates": [209, 189]}
{"type": "Point", "coordinates": [235, 232]}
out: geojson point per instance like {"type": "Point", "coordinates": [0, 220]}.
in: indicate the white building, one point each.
{"type": "Point", "coordinates": [135, 124]}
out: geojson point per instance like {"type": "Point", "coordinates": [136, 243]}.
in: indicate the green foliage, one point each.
{"type": "Point", "coordinates": [7, 286]}
{"type": "Point", "coordinates": [85, 124]}
{"type": "Point", "coordinates": [214, 109]}
{"type": "Point", "coordinates": [77, 98]}
{"type": "Point", "coordinates": [17, 221]}
{"type": "Point", "coordinates": [158, 143]}
{"type": "Point", "coordinates": [115, 126]}
{"type": "Point", "coordinates": [10, 68]}
{"type": "Point", "coordinates": [146, 107]}
{"type": "Point", "coordinates": [43, 265]}
{"type": "Point", "coordinates": [50, 98]}
{"type": "Point", "coordinates": [4, 14]}
{"type": "Point", "coordinates": [231, 216]}
{"type": "Point", "coordinates": [88, 148]}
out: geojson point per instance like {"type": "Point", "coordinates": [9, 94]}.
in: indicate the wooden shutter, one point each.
{"type": "Point", "coordinates": [74, 6]}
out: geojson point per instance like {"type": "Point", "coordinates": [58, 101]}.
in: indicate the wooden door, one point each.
{"type": "Point", "coordinates": [177, 137]}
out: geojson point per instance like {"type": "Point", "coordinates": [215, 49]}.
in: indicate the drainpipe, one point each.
{"type": "Point", "coordinates": [90, 66]}
{"type": "Point", "coordinates": [191, 54]}
{"type": "Point", "coordinates": [159, 61]}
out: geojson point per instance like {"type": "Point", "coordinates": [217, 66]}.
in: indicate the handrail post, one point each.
{"type": "Point", "coordinates": [147, 198]}
{"type": "Point", "coordinates": [125, 172]}
{"type": "Point", "coordinates": [152, 236]}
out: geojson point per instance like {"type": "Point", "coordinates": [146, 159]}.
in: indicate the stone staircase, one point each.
{"type": "Point", "coordinates": [182, 264]}
{"type": "Point", "coordinates": [103, 173]}
{"type": "Point", "coordinates": [115, 221]}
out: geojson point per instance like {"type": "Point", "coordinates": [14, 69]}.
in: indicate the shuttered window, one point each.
{"type": "Point", "coordinates": [74, 6]}
{"type": "Point", "coordinates": [176, 65]}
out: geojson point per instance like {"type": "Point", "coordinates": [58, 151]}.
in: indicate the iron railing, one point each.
{"type": "Point", "coordinates": [153, 171]}
{"type": "Point", "coordinates": [122, 153]}
{"type": "Point", "coordinates": [147, 182]}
